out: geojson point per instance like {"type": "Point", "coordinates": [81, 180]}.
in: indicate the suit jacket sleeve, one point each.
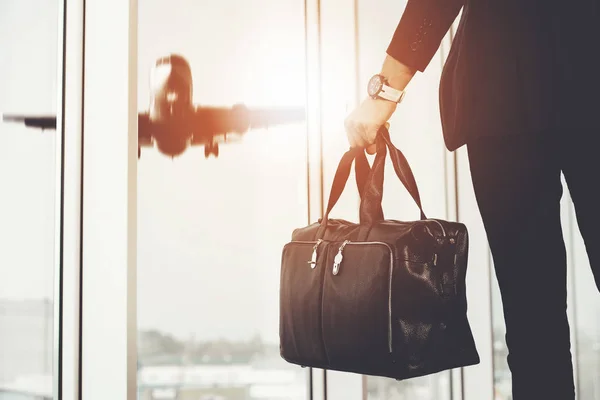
{"type": "Point", "coordinates": [422, 27]}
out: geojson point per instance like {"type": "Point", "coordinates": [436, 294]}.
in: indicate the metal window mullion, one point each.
{"type": "Point", "coordinates": [67, 272]}
{"type": "Point", "coordinates": [109, 329]}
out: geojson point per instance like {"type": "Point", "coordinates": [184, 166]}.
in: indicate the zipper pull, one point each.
{"type": "Point", "coordinates": [313, 258]}
{"type": "Point", "coordinates": [338, 258]}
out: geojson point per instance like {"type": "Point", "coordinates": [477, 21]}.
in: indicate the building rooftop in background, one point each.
{"type": "Point", "coordinates": [34, 387]}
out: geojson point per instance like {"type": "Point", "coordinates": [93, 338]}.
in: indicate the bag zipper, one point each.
{"type": "Point", "coordinates": [313, 257]}
{"type": "Point", "coordinates": [336, 266]}
{"type": "Point", "coordinates": [440, 224]}
{"type": "Point", "coordinates": [425, 220]}
{"type": "Point", "coordinates": [315, 243]}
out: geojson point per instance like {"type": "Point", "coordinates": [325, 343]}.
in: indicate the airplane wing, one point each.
{"type": "Point", "coordinates": [49, 122]}
{"type": "Point", "coordinates": [41, 122]}
{"type": "Point", "coordinates": [266, 117]}
{"type": "Point", "coordinates": [208, 122]}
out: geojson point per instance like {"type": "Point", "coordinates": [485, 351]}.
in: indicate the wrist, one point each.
{"type": "Point", "coordinates": [381, 104]}
{"type": "Point", "coordinates": [399, 82]}
{"type": "Point", "coordinates": [397, 74]}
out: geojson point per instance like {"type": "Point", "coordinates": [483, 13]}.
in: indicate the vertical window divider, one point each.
{"type": "Point", "coordinates": [68, 215]}
{"type": "Point", "coordinates": [109, 211]}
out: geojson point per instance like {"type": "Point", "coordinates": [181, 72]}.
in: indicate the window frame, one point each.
{"type": "Point", "coordinates": [108, 359]}
{"type": "Point", "coordinates": [67, 265]}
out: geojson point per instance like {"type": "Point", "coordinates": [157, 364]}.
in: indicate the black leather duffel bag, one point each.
{"type": "Point", "coordinates": [381, 297]}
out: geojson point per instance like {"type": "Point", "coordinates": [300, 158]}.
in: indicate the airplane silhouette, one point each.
{"type": "Point", "coordinates": [173, 123]}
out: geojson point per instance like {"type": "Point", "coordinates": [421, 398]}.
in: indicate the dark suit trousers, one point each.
{"type": "Point", "coordinates": [517, 183]}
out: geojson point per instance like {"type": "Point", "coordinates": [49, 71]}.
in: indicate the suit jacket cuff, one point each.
{"type": "Point", "coordinates": [422, 27]}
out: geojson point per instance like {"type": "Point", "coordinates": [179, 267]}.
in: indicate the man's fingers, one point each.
{"type": "Point", "coordinates": [355, 132]}
{"type": "Point", "coordinates": [361, 134]}
{"type": "Point", "coordinates": [350, 131]}
{"type": "Point", "coordinates": [372, 135]}
{"type": "Point", "coordinates": [357, 135]}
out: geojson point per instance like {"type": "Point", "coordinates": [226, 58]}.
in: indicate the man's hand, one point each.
{"type": "Point", "coordinates": [364, 122]}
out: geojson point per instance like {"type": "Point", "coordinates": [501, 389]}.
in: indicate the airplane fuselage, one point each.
{"type": "Point", "coordinates": [171, 104]}
{"type": "Point", "coordinates": [170, 89]}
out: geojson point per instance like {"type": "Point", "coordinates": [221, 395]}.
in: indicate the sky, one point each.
{"type": "Point", "coordinates": [210, 232]}
{"type": "Point", "coordinates": [28, 67]}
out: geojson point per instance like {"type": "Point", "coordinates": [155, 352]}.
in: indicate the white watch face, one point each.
{"type": "Point", "coordinates": [375, 85]}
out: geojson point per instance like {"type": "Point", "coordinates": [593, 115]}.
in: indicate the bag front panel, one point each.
{"type": "Point", "coordinates": [301, 290]}
{"type": "Point", "coordinates": [356, 306]}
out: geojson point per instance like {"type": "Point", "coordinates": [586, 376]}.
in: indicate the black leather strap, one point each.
{"type": "Point", "coordinates": [339, 180]}
{"type": "Point", "coordinates": [362, 172]}
{"type": "Point", "coordinates": [403, 171]}
{"type": "Point", "coordinates": [373, 192]}
{"type": "Point", "coordinates": [370, 182]}
{"type": "Point", "coordinates": [362, 169]}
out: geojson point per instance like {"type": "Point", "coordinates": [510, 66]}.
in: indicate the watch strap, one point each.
{"type": "Point", "coordinates": [391, 94]}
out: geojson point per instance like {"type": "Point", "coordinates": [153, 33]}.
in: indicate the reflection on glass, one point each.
{"type": "Point", "coordinates": [212, 221]}
{"type": "Point", "coordinates": [28, 72]}
{"type": "Point", "coordinates": [502, 377]}
{"type": "Point", "coordinates": [586, 310]}
{"type": "Point", "coordinates": [430, 387]}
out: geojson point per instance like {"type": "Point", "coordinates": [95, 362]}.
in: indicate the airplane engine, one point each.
{"type": "Point", "coordinates": [170, 89]}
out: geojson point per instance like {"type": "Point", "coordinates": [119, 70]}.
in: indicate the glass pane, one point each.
{"type": "Point", "coordinates": [502, 376]}
{"type": "Point", "coordinates": [585, 305]}
{"type": "Point", "coordinates": [212, 221]}
{"type": "Point", "coordinates": [431, 387]}
{"type": "Point", "coordinates": [28, 78]}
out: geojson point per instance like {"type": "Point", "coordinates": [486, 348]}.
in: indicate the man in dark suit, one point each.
{"type": "Point", "coordinates": [520, 88]}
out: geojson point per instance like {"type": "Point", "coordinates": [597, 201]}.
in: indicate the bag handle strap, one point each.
{"type": "Point", "coordinates": [370, 180]}
{"type": "Point", "coordinates": [362, 169]}
{"type": "Point", "coordinates": [373, 193]}
{"type": "Point", "coordinates": [362, 172]}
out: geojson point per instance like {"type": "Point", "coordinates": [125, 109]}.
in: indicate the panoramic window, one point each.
{"type": "Point", "coordinates": [222, 182]}
{"type": "Point", "coordinates": [28, 167]}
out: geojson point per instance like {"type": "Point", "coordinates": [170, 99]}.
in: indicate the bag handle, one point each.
{"type": "Point", "coordinates": [362, 169]}
{"type": "Point", "coordinates": [370, 180]}
{"type": "Point", "coordinates": [373, 192]}
{"type": "Point", "coordinates": [362, 172]}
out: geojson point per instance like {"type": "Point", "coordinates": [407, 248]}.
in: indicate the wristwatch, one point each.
{"type": "Point", "coordinates": [378, 88]}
